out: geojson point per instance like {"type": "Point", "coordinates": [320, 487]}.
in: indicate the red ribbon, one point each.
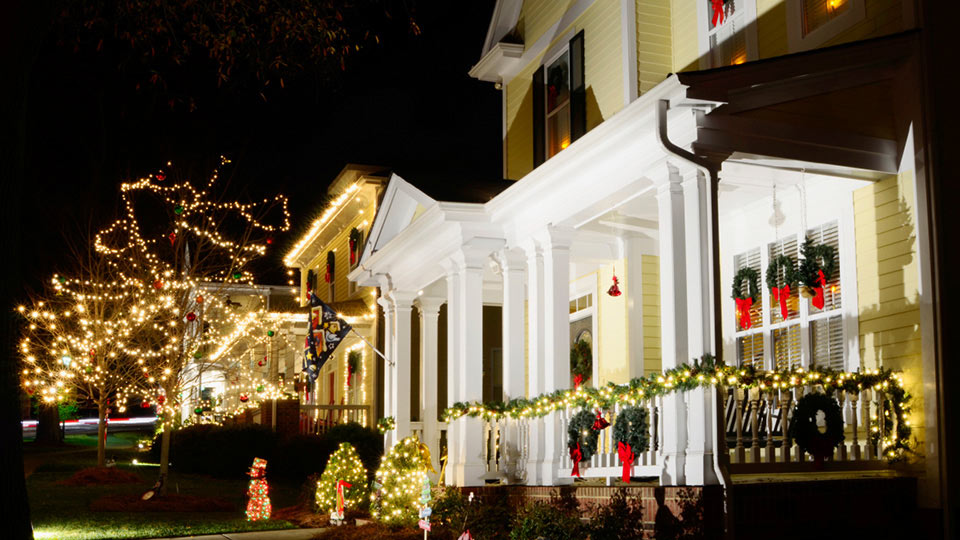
{"type": "Point", "coordinates": [743, 306]}
{"type": "Point", "coordinates": [600, 422]}
{"type": "Point", "coordinates": [717, 12]}
{"type": "Point", "coordinates": [577, 381]}
{"type": "Point", "coordinates": [818, 300]}
{"type": "Point", "coordinates": [349, 375]}
{"type": "Point", "coordinates": [626, 457]}
{"type": "Point", "coordinates": [353, 251]}
{"type": "Point", "coordinates": [576, 455]}
{"type": "Point", "coordinates": [340, 499]}
{"type": "Point", "coordinates": [782, 294]}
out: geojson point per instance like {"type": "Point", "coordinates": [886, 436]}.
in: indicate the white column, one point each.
{"type": "Point", "coordinates": [403, 306]}
{"type": "Point", "coordinates": [471, 468]}
{"type": "Point", "coordinates": [429, 316]}
{"type": "Point", "coordinates": [556, 341]}
{"type": "Point", "coordinates": [698, 463]}
{"type": "Point", "coordinates": [513, 331]}
{"type": "Point", "coordinates": [633, 257]}
{"type": "Point", "coordinates": [389, 372]}
{"type": "Point", "coordinates": [673, 315]}
{"type": "Point", "coordinates": [453, 369]}
{"type": "Point", "coordinates": [534, 356]}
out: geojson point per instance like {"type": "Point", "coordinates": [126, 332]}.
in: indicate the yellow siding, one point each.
{"type": "Point", "coordinates": [651, 313]}
{"type": "Point", "coordinates": [603, 73]}
{"type": "Point", "coordinates": [654, 51]}
{"type": "Point", "coordinates": [771, 28]}
{"type": "Point", "coordinates": [683, 16]}
{"type": "Point", "coordinates": [612, 315]}
{"type": "Point", "coordinates": [887, 282]}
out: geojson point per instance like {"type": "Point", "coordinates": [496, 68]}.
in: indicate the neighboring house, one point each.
{"type": "Point", "coordinates": [672, 147]}
{"type": "Point", "coordinates": [258, 357]}
{"type": "Point", "coordinates": [324, 255]}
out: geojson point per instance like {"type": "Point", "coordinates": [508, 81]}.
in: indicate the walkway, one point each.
{"type": "Point", "coordinates": [284, 534]}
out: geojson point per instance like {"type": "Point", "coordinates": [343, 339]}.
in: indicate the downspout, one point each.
{"type": "Point", "coordinates": [712, 172]}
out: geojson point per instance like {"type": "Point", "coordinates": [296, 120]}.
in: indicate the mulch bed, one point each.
{"type": "Point", "coordinates": [168, 503]}
{"type": "Point", "coordinates": [304, 517]}
{"type": "Point", "coordinates": [374, 530]}
{"type": "Point", "coordinates": [98, 476]}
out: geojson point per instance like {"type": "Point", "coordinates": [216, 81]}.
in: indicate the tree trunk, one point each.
{"type": "Point", "coordinates": [101, 434]}
{"type": "Point", "coordinates": [164, 459]}
{"type": "Point", "coordinates": [48, 423]}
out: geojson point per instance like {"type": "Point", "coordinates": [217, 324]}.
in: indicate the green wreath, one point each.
{"type": "Point", "coordinates": [789, 272]}
{"type": "Point", "coordinates": [632, 427]}
{"type": "Point", "coordinates": [803, 425]}
{"type": "Point", "coordinates": [816, 258]}
{"type": "Point", "coordinates": [580, 430]}
{"type": "Point", "coordinates": [581, 360]}
{"type": "Point", "coordinates": [753, 287]}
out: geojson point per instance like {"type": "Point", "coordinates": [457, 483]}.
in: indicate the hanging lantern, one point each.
{"type": "Point", "coordinates": [191, 316]}
{"type": "Point", "coordinates": [614, 289]}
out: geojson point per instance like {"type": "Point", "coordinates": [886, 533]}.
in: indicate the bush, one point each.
{"type": "Point", "coordinates": [621, 517]}
{"type": "Point", "coordinates": [487, 517]}
{"type": "Point", "coordinates": [300, 456]}
{"type": "Point", "coordinates": [547, 520]}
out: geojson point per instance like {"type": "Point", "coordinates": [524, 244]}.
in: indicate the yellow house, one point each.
{"type": "Point", "coordinates": [669, 156]}
{"type": "Point", "coordinates": [346, 387]}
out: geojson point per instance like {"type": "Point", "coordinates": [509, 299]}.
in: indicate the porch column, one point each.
{"type": "Point", "coordinates": [389, 372]}
{"type": "Point", "coordinates": [673, 314]}
{"type": "Point", "coordinates": [403, 307]}
{"type": "Point", "coordinates": [556, 341]}
{"type": "Point", "coordinates": [701, 435]}
{"type": "Point", "coordinates": [429, 316]}
{"type": "Point", "coordinates": [534, 356]}
{"type": "Point", "coordinates": [471, 467]}
{"type": "Point", "coordinates": [513, 332]}
{"type": "Point", "coordinates": [453, 369]}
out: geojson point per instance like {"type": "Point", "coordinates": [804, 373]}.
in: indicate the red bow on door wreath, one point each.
{"type": "Point", "coordinates": [626, 457]}
{"type": "Point", "coordinates": [576, 455]}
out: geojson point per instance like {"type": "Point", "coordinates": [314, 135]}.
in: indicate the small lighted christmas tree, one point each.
{"type": "Point", "coordinates": [344, 465]}
{"type": "Point", "coordinates": [258, 507]}
{"type": "Point", "coordinates": [399, 481]}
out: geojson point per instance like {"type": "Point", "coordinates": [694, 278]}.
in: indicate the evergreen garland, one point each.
{"type": "Point", "coordinates": [632, 427]}
{"type": "Point", "coordinates": [580, 430]}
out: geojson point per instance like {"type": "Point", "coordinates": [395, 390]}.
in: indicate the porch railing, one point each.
{"type": "Point", "coordinates": [317, 419]}
{"type": "Point", "coordinates": [757, 427]}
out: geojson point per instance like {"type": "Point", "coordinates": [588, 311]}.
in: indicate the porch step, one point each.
{"type": "Point", "coordinates": [825, 505]}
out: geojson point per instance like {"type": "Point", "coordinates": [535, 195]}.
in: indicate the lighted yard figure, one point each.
{"type": "Point", "coordinates": [258, 507]}
{"type": "Point", "coordinates": [337, 514]}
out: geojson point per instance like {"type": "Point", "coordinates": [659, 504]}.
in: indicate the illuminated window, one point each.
{"type": "Point", "coordinates": [725, 35]}
{"type": "Point", "coordinates": [816, 13]}
{"type": "Point", "coordinates": [557, 98]}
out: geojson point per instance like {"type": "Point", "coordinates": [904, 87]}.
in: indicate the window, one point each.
{"type": "Point", "coordinates": [727, 41]}
{"type": "Point", "coordinates": [808, 335]}
{"type": "Point", "coordinates": [559, 101]}
{"type": "Point", "coordinates": [816, 13]}
{"type": "Point", "coordinates": [812, 23]}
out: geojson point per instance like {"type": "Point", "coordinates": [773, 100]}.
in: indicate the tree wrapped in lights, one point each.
{"type": "Point", "coordinates": [76, 336]}
{"type": "Point", "coordinates": [399, 480]}
{"type": "Point", "coordinates": [193, 249]}
{"type": "Point", "coordinates": [344, 465]}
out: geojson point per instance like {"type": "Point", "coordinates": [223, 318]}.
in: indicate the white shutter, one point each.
{"type": "Point", "coordinates": [786, 347]}
{"type": "Point", "coordinates": [750, 351]}
{"type": "Point", "coordinates": [826, 340]}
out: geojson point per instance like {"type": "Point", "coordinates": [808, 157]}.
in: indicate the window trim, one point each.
{"type": "Point", "coordinates": [749, 32]}
{"type": "Point", "coordinates": [797, 41]}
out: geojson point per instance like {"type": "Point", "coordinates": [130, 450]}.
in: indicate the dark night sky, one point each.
{"type": "Point", "coordinates": [407, 104]}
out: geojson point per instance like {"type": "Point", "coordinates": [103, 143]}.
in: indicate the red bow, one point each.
{"type": "Point", "coordinates": [717, 12]}
{"type": "Point", "coordinates": [743, 308]}
{"type": "Point", "coordinates": [577, 381]}
{"type": "Point", "coordinates": [340, 500]}
{"type": "Point", "coordinates": [600, 422]}
{"type": "Point", "coordinates": [782, 294]}
{"type": "Point", "coordinates": [626, 457]}
{"type": "Point", "coordinates": [576, 455]}
{"type": "Point", "coordinates": [353, 251]}
{"type": "Point", "coordinates": [818, 290]}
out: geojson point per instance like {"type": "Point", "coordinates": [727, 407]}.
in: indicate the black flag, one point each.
{"type": "Point", "coordinates": [325, 332]}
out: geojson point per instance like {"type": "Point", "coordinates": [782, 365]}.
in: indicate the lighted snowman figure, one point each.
{"type": "Point", "coordinates": [258, 507]}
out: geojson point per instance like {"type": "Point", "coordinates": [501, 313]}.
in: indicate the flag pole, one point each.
{"type": "Point", "coordinates": [387, 360]}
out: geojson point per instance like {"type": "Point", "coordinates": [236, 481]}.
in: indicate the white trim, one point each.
{"type": "Point", "coordinates": [797, 42]}
{"type": "Point", "coordinates": [628, 41]}
{"type": "Point", "coordinates": [503, 131]}
{"type": "Point", "coordinates": [848, 274]}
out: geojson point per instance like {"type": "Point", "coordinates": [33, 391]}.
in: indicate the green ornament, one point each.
{"type": "Point", "coordinates": [198, 410]}
{"type": "Point", "coordinates": [237, 275]}
{"type": "Point", "coordinates": [62, 279]}
{"type": "Point", "coordinates": [178, 210]}
{"type": "Point", "coordinates": [260, 388]}
{"type": "Point", "coordinates": [270, 333]}
{"type": "Point", "coordinates": [197, 354]}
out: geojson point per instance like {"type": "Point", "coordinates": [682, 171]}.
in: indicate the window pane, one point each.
{"type": "Point", "coordinates": [829, 233]}
{"type": "Point", "coordinates": [558, 83]}
{"type": "Point", "coordinates": [786, 347]}
{"type": "Point", "coordinates": [750, 351]}
{"type": "Point", "coordinates": [573, 306]}
{"type": "Point", "coordinates": [826, 340]}
{"type": "Point", "coordinates": [558, 129]}
{"type": "Point", "coordinates": [816, 13]}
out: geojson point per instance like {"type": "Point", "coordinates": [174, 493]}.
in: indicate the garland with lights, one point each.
{"type": "Point", "coordinates": [745, 302]}
{"type": "Point", "coordinates": [344, 465]}
{"type": "Point", "coordinates": [631, 432]}
{"type": "Point", "coordinates": [385, 424]}
{"type": "Point", "coordinates": [581, 439]}
{"type": "Point", "coordinates": [804, 429]}
{"type": "Point", "coordinates": [396, 499]}
{"type": "Point", "coordinates": [707, 373]}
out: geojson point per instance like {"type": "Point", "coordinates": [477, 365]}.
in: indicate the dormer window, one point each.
{"type": "Point", "coordinates": [559, 101]}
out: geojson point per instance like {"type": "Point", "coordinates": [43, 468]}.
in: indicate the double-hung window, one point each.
{"type": "Point", "coordinates": [559, 101]}
{"type": "Point", "coordinates": [807, 336]}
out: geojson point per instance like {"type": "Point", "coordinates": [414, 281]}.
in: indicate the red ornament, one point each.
{"type": "Point", "coordinates": [600, 422]}
{"type": "Point", "coordinates": [200, 299]}
{"type": "Point", "coordinates": [717, 12]}
{"type": "Point", "coordinates": [191, 316]}
{"type": "Point", "coordinates": [244, 398]}
{"type": "Point", "coordinates": [269, 240]}
{"type": "Point", "coordinates": [161, 399]}
{"type": "Point", "coordinates": [614, 289]}
{"type": "Point", "coordinates": [145, 404]}
{"type": "Point", "coordinates": [263, 362]}
{"type": "Point", "coordinates": [161, 177]}
{"type": "Point", "coordinates": [158, 284]}
{"type": "Point", "coordinates": [173, 237]}
{"type": "Point", "coordinates": [93, 352]}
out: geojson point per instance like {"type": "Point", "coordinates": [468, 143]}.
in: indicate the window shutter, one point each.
{"type": "Point", "coordinates": [826, 340]}
{"type": "Point", "coordinates": [311, 280]}
{"type": "Point", "coordinates": [578, 89]}
{"type": "Point", "coordinates": [539, 119]}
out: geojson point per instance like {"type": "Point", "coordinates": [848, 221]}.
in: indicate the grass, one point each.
{"type": "Point", "coordinates": [63, 512]}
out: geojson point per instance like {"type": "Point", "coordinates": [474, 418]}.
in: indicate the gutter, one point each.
{"type": "Point", "coordinates": [712, 172]}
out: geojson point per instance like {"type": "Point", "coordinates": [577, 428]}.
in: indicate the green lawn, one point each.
{"type": "Point", "coordinates": [63, 511]}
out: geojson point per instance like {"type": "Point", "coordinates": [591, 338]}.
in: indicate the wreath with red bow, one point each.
{"type": "Point", "coordinates": [816, 270]}
{"type": "Point", "coordinates": [581, 439]}
{"type": "Point", "coordinates": [745, 302]}
{"type": "Point", "coordinates": [781, 266]}
{"type": "Point", "coordinates": [631, 431]}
